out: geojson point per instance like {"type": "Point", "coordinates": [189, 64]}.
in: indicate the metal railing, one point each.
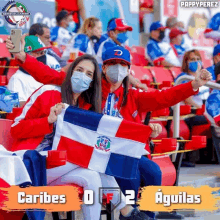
{"type": "Point", "coordinates": [176, 109]}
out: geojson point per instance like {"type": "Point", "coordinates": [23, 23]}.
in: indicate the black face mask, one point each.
{"type": "Point", "coordinates": [42, 59]}
{"type": "Point", "coordinates": [94, 39]}
{"type": "Point", "coordinates": [162, 35]}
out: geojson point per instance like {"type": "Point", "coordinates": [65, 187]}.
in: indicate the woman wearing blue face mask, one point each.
{"type": "Point", "coordinates": [35, 129]}
{"type": "Point", "coordinates": [192, 64]}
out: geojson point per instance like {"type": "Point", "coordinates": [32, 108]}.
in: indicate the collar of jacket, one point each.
{"type": "Point", "coordinates": [106, 90]}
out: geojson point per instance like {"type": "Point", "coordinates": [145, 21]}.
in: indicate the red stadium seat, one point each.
{"type": "Point", "coordinates": [142, 73]}
{"type": "Point", "coordinates": [3, 50]}
{"type": "Point", "coordinates": [206, 58]}
{"type": "Point", "coordinates": [5, 135]}
{"type": "Point", "coordinates": [12, 70]}
{"type": "Point", "coordinates": [161, 74]}
{"type": "Point", "coordinates": [163, 134]}
{"type": "Point", "coordinates": [184, 130]}
{"type": "Point", "coordinates": [138, 59]}
{"type": "Point", "coordinates": [175, 71]}
{"type": "Point", "coordinates": [167, 168]}
{"type": "Point", "coordinates": [138, 49]}
{"type": "Point", "coordinates": [202, 130]}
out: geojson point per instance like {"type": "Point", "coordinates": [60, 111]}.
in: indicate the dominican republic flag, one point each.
{"type": "Point", "coordinates": [12, 168]}
{"type": "Point", "coordinates": [100, 142]}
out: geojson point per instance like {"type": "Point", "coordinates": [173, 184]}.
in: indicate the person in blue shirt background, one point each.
{"type": "Point", "coordinates": [116, 27]}
{"type": "Point", "coordinates": [213, 104]}
{"type": "Point", "coordinates": [62, 33]}
{"type": "Point", "coordinates": [122, 37]}
{"type": "Point", "coordinates": [157, 34]}
{"type": "Point", "coordinates": [216, 59]}
{"type": "Point", "coordinates": [213, 29]}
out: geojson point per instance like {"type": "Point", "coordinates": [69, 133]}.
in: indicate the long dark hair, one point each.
{"type": "Point", "coordinates": [93, 94]}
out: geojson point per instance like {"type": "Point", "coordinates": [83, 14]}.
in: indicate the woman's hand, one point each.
{"type": "Point", "coordinates": [201, 78]}
{"type": "Point", "coordinates": [21, 55]}
{"type": "Point", "coordinates": [54, 112]}
{"type": "Point", "coordinates": [156, 129]}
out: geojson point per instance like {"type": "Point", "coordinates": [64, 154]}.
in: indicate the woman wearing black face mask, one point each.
{"type": "Point", "coordinates": [22, 82]}
{"type": "Point", "coordinates": [83, 42]}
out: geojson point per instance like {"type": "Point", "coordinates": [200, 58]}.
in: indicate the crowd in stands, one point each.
{"type": "Point", "coordinates": [95, 76]}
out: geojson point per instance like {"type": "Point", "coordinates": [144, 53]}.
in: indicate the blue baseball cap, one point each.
{"type": "Point", "coordinates": [117, 53]}
{"type": "Point", "coordinates": [216, 50]}
{"type": "Point", "coordinates": [156, 26]}
{"type": "Point", "coordinates": [118, 24]}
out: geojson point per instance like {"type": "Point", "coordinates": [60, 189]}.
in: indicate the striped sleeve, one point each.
{"type": "Point", "coordinates": [213, 107]}
{"type": "Point", "coordinates": [33, 120]}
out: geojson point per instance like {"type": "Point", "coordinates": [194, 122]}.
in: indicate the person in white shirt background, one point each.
{"type": "Point", "coordinates": [172, 23]}
{"type": "Point", "coordinates": [22, 82]}
{"type": "Point", "coordinates": [62, 33]}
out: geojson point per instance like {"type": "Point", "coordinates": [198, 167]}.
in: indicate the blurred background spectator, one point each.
{"type": "Point", "coordinates": [76, 7]}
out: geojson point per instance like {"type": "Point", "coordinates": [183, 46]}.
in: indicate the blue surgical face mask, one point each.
{"type": "Point", "coordinates": [80, 82]}
{"type": "Point", "coordinates": [193, 66]}
{"type": "Point", "coordinates": [71, 26]}
{"type": "Point", "coordinates": [122, 37]}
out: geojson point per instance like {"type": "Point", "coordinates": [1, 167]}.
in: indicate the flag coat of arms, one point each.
{"type": "Point", "coordinates": [100, 142]}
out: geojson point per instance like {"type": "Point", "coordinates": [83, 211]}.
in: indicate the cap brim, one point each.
{"type": "Point", "coordinates": [125, 28]}
{"type": "Point", "coordinates": [42, 48]}
{"type": "Point", "coordinates": [104, 62]}
{"type": "Point", "coordinates": [162, 28]}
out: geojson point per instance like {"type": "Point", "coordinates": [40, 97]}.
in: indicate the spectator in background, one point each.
{"type": "Point", "coordinates": [176, 36]}
{"type": "Point", "coordinates": [22, 82]}
{"type": "Point", "coordinates": [89, 34]}
{"type": "Point", "coordinates": [192, 64]}
{"type": "Point", "coordinates": [186, 42]}
{"type": "Point", "coordinates": [213, 29]}
{"type": "Point", "coordinates": [213, 104]}
{"type": "Point", "coordinates": [43, 32]}
{"type": "Point", "coordinates": [171, 22]}
{"type": "Point", "coordinates": [216, 59]}
{"type": "Point", "coordinates": [161, 54]}
{"type": "Point", "coordinates": [116, 27]}
{"type": "Point", "coordinates": [122, 37]}
{"type": "Point", "coordinates": [74, 6]}
{"type": "Point", "coordinates": [62, 33]}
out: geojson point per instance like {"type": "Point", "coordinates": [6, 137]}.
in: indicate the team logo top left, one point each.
{"type": "Point", "coordinates": [15, 13]}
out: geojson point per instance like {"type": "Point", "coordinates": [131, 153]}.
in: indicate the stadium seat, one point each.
{"type": "Point", "coordinates": [161, 74]}
{"type": "Point", "coordinates": [202, 130]}
{"type": "Point", "coordinates": [138, 49]}
{"type": "Point", "coordinates": [167, 168]}
{"type": "Point", "coordinates": [206, 59]}
{"type": "Point", "coordinates": [5, 135]}
{"type": "Point", "coordinates": [142, 73]}
{"type": "Point", "coordinates": [3, 50]}
{"type": "Point", "coordinates": [184, 130]}
{"type": "Point", "coordinates": [175, 71]}
{"type": "Point", "coordinates": [12, 70]}
{"type": "Point", "coordinates": [138, 59]}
